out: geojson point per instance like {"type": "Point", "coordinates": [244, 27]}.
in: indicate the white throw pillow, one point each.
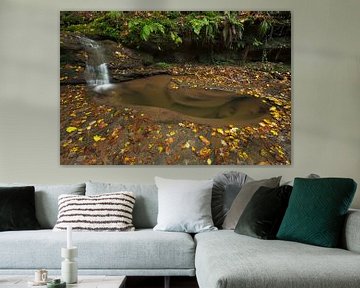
{"type": "Point", "coordinates": [105, 212]}
{"type": "Point", "coordinates": [184, 205]}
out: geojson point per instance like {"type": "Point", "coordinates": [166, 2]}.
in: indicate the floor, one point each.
{"type": "Point", "coordinates": [158, 282]}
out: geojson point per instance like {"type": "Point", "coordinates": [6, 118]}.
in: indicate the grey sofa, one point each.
{"type": "Point", "coordinates": [218, 259]}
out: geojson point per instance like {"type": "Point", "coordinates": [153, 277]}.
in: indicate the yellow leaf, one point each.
{"type": "Point", "coordinates": [98, 138]}
{"type": "Point", "coordinates": [74, 149]}
{"type": "Point", "coordinates": [186, 145]}
{"type": "Point", "coordinates": [209, 161]}
{"type": "Point", "coordinates": [220, 131]}
{"type": "Point", "coordinates": [71, 129]}
{"type": "Point", "coordinates": [204, 140]}
{"type": "Point", "coordinates": [160, 149]}
{"type": "Point", "coordinates": [205, 152]}
{"type": "Point", "coordinates": [273, 108]}
{"type": "Point", "coordinates": [274, 132]}
{"type": "Point", "coordinates": [223, 142]}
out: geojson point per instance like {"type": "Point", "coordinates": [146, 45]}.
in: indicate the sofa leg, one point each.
{"type": "Point", "coordinates": [167, 282]}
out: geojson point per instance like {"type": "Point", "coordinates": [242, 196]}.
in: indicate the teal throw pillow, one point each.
{"type": "Point", "coordinates": [316, 211]}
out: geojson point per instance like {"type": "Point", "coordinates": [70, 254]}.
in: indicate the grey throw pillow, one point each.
{"type": "Point", "coordinates": [184, 205]}
{"type": "Point", "coordinates": [226, 187]}
{"type": "Point", "coordinates": [242, 199]}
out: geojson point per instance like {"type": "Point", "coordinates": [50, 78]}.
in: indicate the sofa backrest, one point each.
{"type": "Point", "coordinates": [46, 200]}
{"type": "Point", "coordinates": [146, 203]}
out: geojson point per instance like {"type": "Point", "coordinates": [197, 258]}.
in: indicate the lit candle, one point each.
{"type": "Point", "coordinates": [69, 237]}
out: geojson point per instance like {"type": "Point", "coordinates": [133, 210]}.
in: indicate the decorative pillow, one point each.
{"type": "Point", "coordinates": [106, 212]}
{"type": "Point", "coordinates": [243, 198]}
{"type": "Point", "coordinates": [316, 211]}
{"type": "Point", "coordinates": [263, 215]}
{"type": "Point", "coordinates": [17, 208]}
{"type": "Point", "coordinates": [184, 205]}
{"type": "Point", "coordinates": [226, 187]}
{"type": "Point", "coordinates": [46, 200]}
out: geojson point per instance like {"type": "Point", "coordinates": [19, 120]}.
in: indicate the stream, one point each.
{"type": "Point", "coordinates": [164, 100]}
{"type": "Point", "coordinates": [208, 106]}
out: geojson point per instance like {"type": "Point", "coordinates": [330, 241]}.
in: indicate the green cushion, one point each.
{"type": "Point", "coordinates": [263, 215]}
{"type": "Point", "coordinates": [316, 211]}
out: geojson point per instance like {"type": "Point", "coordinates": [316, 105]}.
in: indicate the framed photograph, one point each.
{"type": "Point", "coordinates": [175, 88]}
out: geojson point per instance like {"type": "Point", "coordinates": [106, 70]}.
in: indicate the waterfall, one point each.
{"type": "Point", "coordinates": [96, 72]}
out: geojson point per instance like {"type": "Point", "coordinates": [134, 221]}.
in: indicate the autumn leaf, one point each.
{"type": "Point", "coordinates": [220, 131]}
{"type": "Point", "coordinates": [71, 129]}
{"type": "Point", "coordinates": [204, 140]}
{"type": "Point", "coordinates": [273, 108]}
{"type": "Point", "coordinates": [205, 152]}
{"type": "Point", "coordinates": [98, 138]}
{"type": "Point", "coordinates": [186, 145]}
{"type": "Point", "coordinates": [74, 149]}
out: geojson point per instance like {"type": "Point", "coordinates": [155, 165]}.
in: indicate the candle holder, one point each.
{"type": "Point", "coordinates": [69, 271]}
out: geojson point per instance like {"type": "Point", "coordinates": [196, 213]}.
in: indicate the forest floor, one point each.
{"type": "Point", "coordinates": [92, 133]}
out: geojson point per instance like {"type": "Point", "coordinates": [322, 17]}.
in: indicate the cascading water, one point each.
{"type": "Point", "coordinates": [96, 72]}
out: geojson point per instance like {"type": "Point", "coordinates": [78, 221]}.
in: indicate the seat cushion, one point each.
{"type": "Point", "coordinates": [225, 259]}
{"type": "Point", "coordinates": [143, 249]}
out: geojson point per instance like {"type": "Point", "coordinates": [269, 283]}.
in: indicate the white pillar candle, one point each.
{"type": "Point", "coordinates": [69, 237]}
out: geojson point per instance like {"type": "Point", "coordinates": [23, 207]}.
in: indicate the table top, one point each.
{"type": "Point", "coordinates": [84, 281]}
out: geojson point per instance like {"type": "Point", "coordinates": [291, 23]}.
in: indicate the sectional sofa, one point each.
{"type": "Point", "coordinates": [218, 259]}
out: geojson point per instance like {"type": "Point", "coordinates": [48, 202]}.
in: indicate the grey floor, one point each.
{"type": "Point", "coordinates": [158, 282]}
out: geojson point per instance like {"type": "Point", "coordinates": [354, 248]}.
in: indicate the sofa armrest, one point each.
{"type": "Point", "coordinates": [351, 234]}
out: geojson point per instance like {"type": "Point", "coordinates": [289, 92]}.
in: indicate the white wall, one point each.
{"type": "Point", "coordinates": [326, 91]}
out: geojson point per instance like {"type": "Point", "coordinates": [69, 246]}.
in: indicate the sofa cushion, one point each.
{"type": "Point", "coordinates": [351, 236]}
{"type": "Point", "coordinates": [184, 205]}
{"type": "Point", "coordinates": [46, 200]}
{"type": "Point", "coordinates": [317, 209]}
{"type": "Point", "coordinates": [137, 250]}
{"type": "Point", "coordinates": [225, 259]}
{"type": "Point", "coordinates": [105, 212]}
{"type": "Point", "coordinates": [263, 215]}
{"type": "Point", "coordinates": [243, 198]}
{"type": "Point", "coordinates": [17, 208]}
{"type": "Point", "coordinates": [146, 205]}
{"type": "Point", "coordinates": [225, 189]}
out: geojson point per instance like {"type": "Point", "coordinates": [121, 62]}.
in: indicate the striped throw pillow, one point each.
{"type": "Point", "coordinates": [105, 212]}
